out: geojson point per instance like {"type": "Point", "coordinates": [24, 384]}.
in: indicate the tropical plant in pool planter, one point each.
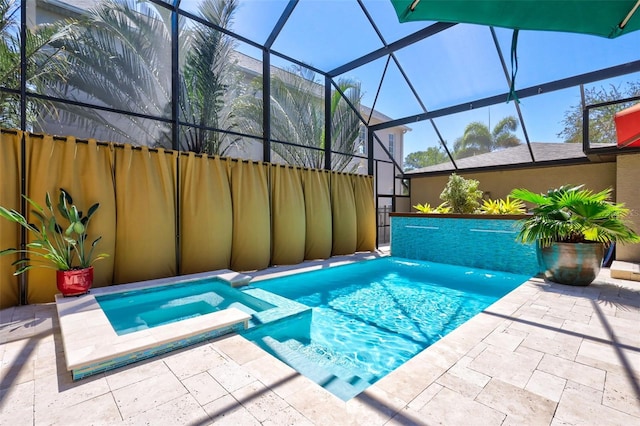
{"type": "Point", "coordinates": [572, 225]}
{"type": "Point", "coordinates": [506, 206]}
{"type": "Point", "coordinates": [461, 194]}
{"type": "Point", "coordinates": [426, 208]}
{"type": "Point", "coordinates": [56, 246]}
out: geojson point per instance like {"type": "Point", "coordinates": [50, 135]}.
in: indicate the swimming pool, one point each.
{"type": "Point", "coordinates": [369, 318]}
{"type": "Point", "coordinates": [141, 309]}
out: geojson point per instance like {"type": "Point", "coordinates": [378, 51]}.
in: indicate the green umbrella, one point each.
{"type": "Point", "coordinates": [605, 18]}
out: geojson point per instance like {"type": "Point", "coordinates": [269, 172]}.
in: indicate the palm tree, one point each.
{"type": "Point", "coordinates": [207, 81]}
{"type": "Point", "coordinates": [478, 139]}
{"type": "Point", "coordinates": [297, 118]}
{"type": "Point", "coordinates": [44, 64]}
{"type": "Point", "coordinates": [120, 57]}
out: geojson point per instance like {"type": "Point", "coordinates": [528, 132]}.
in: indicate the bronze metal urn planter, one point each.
{"type": "Point", "coordinates": [572, 263]}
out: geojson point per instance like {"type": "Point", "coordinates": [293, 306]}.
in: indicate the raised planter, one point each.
{"type": "Point", "coordinates": [477, 241]}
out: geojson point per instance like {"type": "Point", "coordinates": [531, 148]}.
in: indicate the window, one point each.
{"type": "Point", "coordinates": [362, 140]}
{"type": "Point", "coordinates": [392, 144]}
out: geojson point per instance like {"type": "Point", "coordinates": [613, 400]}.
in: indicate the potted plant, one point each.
{"type": "Point", "coordinates": [572, 225]}
{"type": "Point", "coordinates": [58, 246]}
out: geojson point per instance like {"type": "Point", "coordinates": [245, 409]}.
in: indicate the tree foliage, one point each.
{"type": "Point", "coordinates": [206, 83]}
{"type": "Point", "coordinates": [119, 57]}
{"type": "Point", "coordinates": [298, 117]}
{"type": "Point", "coordinates": [419, 159]}
{"type": "Point", "coordinates": [601, 120]}
{"type": "Point", "coordinates": [479, 139]}
{"type": "Point", "coordinates": [44, 64]}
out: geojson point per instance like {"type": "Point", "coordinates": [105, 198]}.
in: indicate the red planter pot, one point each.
{"type": "Point", "coordinates": [74, 282]}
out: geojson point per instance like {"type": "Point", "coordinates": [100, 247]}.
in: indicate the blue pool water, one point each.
{"type": "Point", "coordinates": [141, 309]}
{"type": "Point", "coordinates": [369, 318]}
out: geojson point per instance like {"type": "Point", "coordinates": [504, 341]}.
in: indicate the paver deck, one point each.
{"type": "Point", "coordinates": [544, 354]}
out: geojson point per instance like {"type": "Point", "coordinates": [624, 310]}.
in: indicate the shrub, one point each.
{"type": "Point", "coordinates": [462, 194]}
{"type": "Point", "coordinates": [426, 208]}
{"type": "Point", "coordinates": [506, 206]}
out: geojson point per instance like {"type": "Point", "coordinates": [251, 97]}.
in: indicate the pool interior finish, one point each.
{"type": "Point", "coordinates": [151, 307]}
{"type": "Point", "coordinates": [368, 318]}
{"type": "Point", "coordinates": [345, 327]}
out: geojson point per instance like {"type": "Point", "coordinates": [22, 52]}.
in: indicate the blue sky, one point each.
{"type": "Point", "coordinates": [453, 67]}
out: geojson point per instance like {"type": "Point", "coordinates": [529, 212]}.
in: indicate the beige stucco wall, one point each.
{"type": "Point", "coordinates": [498, 184]}
{"type": "Point", "coordinates": [628, 192]}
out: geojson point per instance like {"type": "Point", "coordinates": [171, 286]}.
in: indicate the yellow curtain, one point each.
{"type": "Point", "coordinates": [343, 208]}
{"type": "Point", "coordinates": [9, 198]}
{"type": "Point", "coordinates": [365, 212]}
{"type": "Point", "coordinates": [85, 171]}
{"type": "Point", "coordinates": [317, 201]}
{"type": "Point", "coordinates": [251, 247]}
{"type": "Point", "coordinates": [287, 216]}
{"type": "Point", "coordinates": [145, 204]}
{"type": "Point", "coordinates": [206, 216]}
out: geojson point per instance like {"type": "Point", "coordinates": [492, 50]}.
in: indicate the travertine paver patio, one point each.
{"type": "Point", "coordinates": [544, 354]}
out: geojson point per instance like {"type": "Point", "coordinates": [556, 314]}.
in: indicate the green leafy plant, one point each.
{"type": "Point", "coordinates": [426, 208]}
{"type": "Point", "coordinates": [503, 206]}
{"type": "Point", "coordinates": [461, 194]}
{"type": "Point", "coordinates": [54, 245]}
{"type": "Point", "coordinates": [572, 214]}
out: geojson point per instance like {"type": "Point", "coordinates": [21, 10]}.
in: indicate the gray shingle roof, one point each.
{"type": "Point", "coordinates": [515, 155]}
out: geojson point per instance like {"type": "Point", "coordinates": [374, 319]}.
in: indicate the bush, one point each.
{"type": "Point", "coordinates": [506, 206]}
{"type": "Point", "coordinates": [426, 208]}
{"type": "Point", "coordinates": [462, 194]}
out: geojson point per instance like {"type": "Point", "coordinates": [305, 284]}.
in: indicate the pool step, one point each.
{"type": "Point", "coordinates": [234, 279]}
{"type": "Point", "coordinates": [335, 378]}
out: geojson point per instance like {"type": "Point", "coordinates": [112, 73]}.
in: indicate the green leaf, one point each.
{"type": "Point", "coordinates": [66, 196]}
{"type": "Point", "coordinates": [62, 206]}
{"type": "Point", "coordinates": [92, 210]}
{"type": "Point", "coordinates": [74, 216]}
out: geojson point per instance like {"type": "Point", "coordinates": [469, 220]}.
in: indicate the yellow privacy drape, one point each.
{"type": "Point", "coordinates": [317, 201]}
{"type": "Point", "coordinates": [287, 216]}
{"type": "Point", "coordinates": [206, 215]}
{"type": "Point", "coordinates": [9, 198]}
{"type": "Point", "coordinates": [85, 171]}
{"type": "Point", "coordinates": [145, 203]}
{"type": "Point", "coordinates": [365, 212]}
{"type": "Point", "coordinates": [251, 247]}
{"type": "Point", "coordinates": [343, 208]}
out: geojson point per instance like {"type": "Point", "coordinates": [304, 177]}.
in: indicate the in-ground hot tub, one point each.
{"type": "Point", "coordinates": [210, 307]}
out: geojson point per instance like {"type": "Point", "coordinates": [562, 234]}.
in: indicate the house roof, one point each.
{"type": "Point", "coordinates": [542, 152]}
{"type": "Point", "coordinates": [73, 6]}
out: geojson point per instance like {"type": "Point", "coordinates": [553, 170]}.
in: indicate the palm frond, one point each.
{"type": "Point", "coordinates": [574, 214]}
